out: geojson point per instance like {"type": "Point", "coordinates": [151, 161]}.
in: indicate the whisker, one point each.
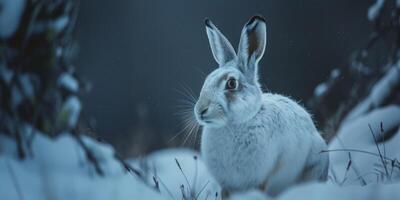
{"type": "Point", "coordinates": [189, 133]}
{"type": "Point", "coordinates": [199, 70]}
{"type": "Point", "coordinates": [185, 102]}
{"type": "Point", "coordinates": [195, 132]}
{"type": "Point", "coordinates": [189, 91]}
{"type": "Point", "coordinates": [188, 99]}
{"type": "Point", "coordinates": [195, 135]}
{"type": "Point", "coordinates": [184, 113]}
{"type": "Point", "coordinates": [186, 124]}
{"type": "Point", "coordinates": [185, 138]}
{"type": "Point", "coordinates": [185, 110]}
{"type": "Point", "coordinates": [185, 90]}
{"type": "Point", "coordinates": [189, 126]}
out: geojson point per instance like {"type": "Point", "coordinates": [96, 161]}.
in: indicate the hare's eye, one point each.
{"type": "Point", "coordinates": [231, 84]}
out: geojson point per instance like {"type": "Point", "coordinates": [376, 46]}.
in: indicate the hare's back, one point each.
{"type": "Point", "coordinates": [288, 113]}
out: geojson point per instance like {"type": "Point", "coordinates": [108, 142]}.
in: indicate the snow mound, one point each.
{"type": "Point", "coordinates": [58, 169]}
{"type": "Point", "coordinates": [174, 168]}
{"type": "Point", "coordinates": [318, 191]}
{"type": "Point", "coordinates": [362, 160]}
{"type": "Point", "coordinates": [250, 195]}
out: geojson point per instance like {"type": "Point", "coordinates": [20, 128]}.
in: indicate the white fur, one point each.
{"type": "Point", "coordinates": [250, 138]}
{"type": "Point", "coordinates": [244, 156]}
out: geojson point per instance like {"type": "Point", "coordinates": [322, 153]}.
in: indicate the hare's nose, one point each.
{"type": "Point", "coordinates": [204, 111]}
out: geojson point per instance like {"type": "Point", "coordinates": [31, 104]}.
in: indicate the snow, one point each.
{"type": "Point", "coordinates": [70, 111]}
{"type": "Point", "coordinates": [59, 170]}
{"type": "Point", "coordinates": [369, 117]}
{"type": "Point", "coordinates": [68, 82]}
{"type": "Point", "coordinates": [57, 25]}
{"type": "Point", "coordinates": [250, 195]}
{"type": "Point", "coordinates": [335, 73]}
{"type": "Point", "coordinates": [378, 94]}
{"type": "Point", "coordinates": [358, 136]}
{"type": "Point", "coordinates": [375, 9]}
{"type": "Point", "coordinates": [318, 191]}
{"type": "Point", "coordinates": [385, 86]}
{"type": "Point", "coordinates": [60, 23]}
{"type": "Point", "coordinates": [320, 90]}
{"type": "Point", "coordinates": [163, 165]}
{"type": "Point", "coordinates": [10, 14]}
{"type": "Point", "coordinates": [357, 132]}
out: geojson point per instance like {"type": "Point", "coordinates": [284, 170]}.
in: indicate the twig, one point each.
{"type": "Point", "coordinates": [156, 184]}
{"type": "Point", "coordinates": [182, 187]}
{"type": "Point", "coordinates": [195, 174]}
{"type": "Point", "coordinates": [166, 188]}
{"type": "Point", "coordinates": [379, 151]}
{"type": "Point", "coordinates": [382, 133]}
{"type": "Point", "coordinates": [347, 170]}
{"type": "Point", "coordinates": [18, 140]}
{"type": "Point", "coordinates": [89, 154]}
{"type": "Point", "coordinates": [202, 189]}
{"type": "Point", "coordinates": [183, 173]}
{"type": "Point", "coordinates": [361, 151]}
{"type": "Point", "coordinates": [391, 171]}
{"type": "Point", "coordinates": [127, 166]}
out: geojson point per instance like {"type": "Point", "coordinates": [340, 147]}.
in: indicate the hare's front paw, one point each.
{"type": "Point", "coordinates": [225, 194]}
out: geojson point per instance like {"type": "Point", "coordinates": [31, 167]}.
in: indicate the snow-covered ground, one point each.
{"type": "Point", "coordinates": [58, 169]}
{"type": "Point", "coordinates": [175, 168]}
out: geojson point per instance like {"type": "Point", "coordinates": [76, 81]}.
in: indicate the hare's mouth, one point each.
{"type": "Point", "coordinates": [203, 120]}
{"type": "Point", "coordinates": [206, 120]}
{"type": "Point", "coordinates": [210, 120]}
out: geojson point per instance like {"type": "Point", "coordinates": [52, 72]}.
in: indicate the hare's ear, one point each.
{"type": "Point", "coordinates": [252, 43]}
{"type": "Point", "coordinates": [221, 48]}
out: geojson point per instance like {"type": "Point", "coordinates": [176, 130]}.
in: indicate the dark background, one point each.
{"type": "Point", "coordinates": [137, 54]}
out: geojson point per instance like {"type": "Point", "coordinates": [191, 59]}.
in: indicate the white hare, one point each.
{"type": "Point", "coordinates": [253, 139]}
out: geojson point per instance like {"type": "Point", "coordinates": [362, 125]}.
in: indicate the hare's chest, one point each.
{"type": "Point", "coordinates": [237, 158]}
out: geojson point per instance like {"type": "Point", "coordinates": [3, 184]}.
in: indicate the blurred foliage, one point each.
{"type": "Point", "coordinates": [349, 85]}
{"type": "Point", "coordinates": [33, 61]}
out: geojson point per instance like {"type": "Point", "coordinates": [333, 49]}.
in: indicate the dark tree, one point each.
{"type": "Point", "coordinates": [39, 89]}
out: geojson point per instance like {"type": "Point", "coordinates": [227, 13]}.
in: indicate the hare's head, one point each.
{"type": "Point", "coordinates": [231, 93]}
